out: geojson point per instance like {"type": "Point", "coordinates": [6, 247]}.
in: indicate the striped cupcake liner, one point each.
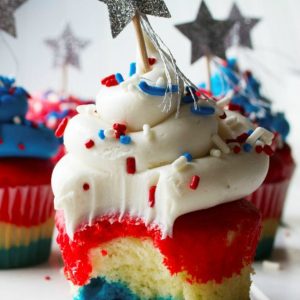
{"type": "Point", "coordinates": [269, 199]}
{"type": "Point", "coordinates": [26, 225]}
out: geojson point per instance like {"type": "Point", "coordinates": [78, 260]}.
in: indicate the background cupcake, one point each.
{"type": "Point", "coordinates": [247, 99]}
{"type": "Point", "coordinates": [50, 108]}
{"type": "Point", "coordinates": [26, 199]}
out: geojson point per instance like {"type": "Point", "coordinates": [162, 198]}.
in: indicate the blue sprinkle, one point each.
{"type": "Point", "coordinates": [188, 156]}
{"type": "Point", "coordinates": [250, 131]}
{"type": "Point", "coordinates": [247, 147]}
{"type": "Point", "coordinates": [132, 69]}
{"type": "Point", "coordinates": [203, 110]}
{"type": "Point", "coordinates": [155, 90]}
{"type": "Point", "coordinates": [125, 139]}
{"type": "Point", "coordinates": [101, 134]}
{"type": "Point", "coordinates": [119, 78]}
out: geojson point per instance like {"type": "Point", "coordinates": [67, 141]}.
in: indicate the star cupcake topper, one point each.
{"type": "Point", "coordinates": [121, 12]}
{"type": "Point", "coordinates": [206, 34]}
{"type": "Point", "coordinates": [241, 33]}
{"type": "Point", "coordinates": [7, 19]}
{"type": "Point", "coordinates": [66, 48]}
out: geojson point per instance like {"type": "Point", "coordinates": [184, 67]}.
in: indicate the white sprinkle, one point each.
{"type": "Point", "coordinates": [259, 143]}
{"type": "Point", "coordinates": [87, 109]}
{"type": "Point", "coordinates": [220, 144]}
{"type": "Point", "coordinates": [260, 133]}
{"type": "Point", "coordinates": [180, 163]}
{"type": "Point", "coordinates": [160, 82]}
{"type": "Point", "coordinates": [17, 120]}
{"type": "Point", "coordinates": [230, 121]}
{"type": "Point", "coordinates": [147, 131]}
{"type": "Point", "coordinates": [109, 133]}
{"type": "Point", "coordinates": [267, 137]}
{"type": "Point", "coordinates": [215, 153]}
{"type": "Point", "coordinates": [225, 100]}
{"type": "Point", "coordinates": [270, 265]}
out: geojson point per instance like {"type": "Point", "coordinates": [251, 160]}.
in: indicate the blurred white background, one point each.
{"type": "Point", "coordinates": [275, 58]}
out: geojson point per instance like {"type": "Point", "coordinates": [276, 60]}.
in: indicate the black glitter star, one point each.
{"type": "Point", "coordinates": [121, 12]}
{"type": "Point", "coordinates": [66, 48]}
{"type": "Point", "coordinates": [240, 34]}
{"type": "Point", "coordinates": [206, 34]}
{"type": "Point", "coordinates": [7, 19]}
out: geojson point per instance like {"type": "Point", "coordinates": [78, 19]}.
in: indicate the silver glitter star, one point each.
{"type": "Point", "coordinates": [66, 48]}
{"type": "Point", "coordinates": [121, 12]}
{"type": "Point", "coordinates": [240, 34]}
{"type": "Point", "coordinates": [7, 19]}
{"type": "Point", "coordinates": [206, 34]}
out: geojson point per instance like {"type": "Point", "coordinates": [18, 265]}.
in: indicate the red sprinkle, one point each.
{"type": "Point", "coordinates": [61, 127]}
{"type": "Point", "coordinates": [152, 61]}
{"type": "Point", "coordinates": [120, 129]}
{"type": "Point", "coordinates": [268, 150]}
{"type": "Point", "coordinates": [224, 116]}
{"type": "Point", "coordinates": [194, 182]}
{"type": "Point", "coordinates": [103, 252]}
{"type": "Point", "coordinates": [108, 78]}
{"type": "Point", "coordinates": [242, 138]}
{"type": "Point", "coordinates": [47, 278]}
{"type": "Point", "coordinates": [89, 144]}
{"type": "Point", "coordinates": [1, 141]}
{"type": "Point", "coordinates": [235, 107]}
{"type": "Point", "coordinates": [236, 149]}
{"type": "Point", "coordinates": [86, 186]}
{"type": "Point", "coordinates": [130, 165]}
{"type": "Point", "coordinates": [203, 91]}
{"type": "Point", "coordinates": [258, 149]}
{"type": "Point", "coordinates": [11, 91]}
{"type": "Point", "coordinates": [21, 146]}
{"type": "Point", "coordinates": [151, 198]}
{"type": "Point", "coordinates": [112, 82]}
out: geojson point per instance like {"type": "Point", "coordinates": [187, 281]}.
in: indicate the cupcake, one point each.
{"type": "Point", "coordinates": [26, 199]}
{"type": "Point", "coordinates": [271, 195]}
{"type": "Point", "coordinates": [147, 202]}
{"type": "Point", "coordinates": [51, 109]}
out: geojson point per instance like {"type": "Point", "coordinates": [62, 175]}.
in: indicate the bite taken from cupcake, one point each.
{"type": "Point", "coordinates": [145, 195]}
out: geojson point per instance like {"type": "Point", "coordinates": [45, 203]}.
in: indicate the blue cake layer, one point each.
{"type": "Point", "coordinates": [100, 289]}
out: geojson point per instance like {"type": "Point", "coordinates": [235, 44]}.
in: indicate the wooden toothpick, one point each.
{"type": "Point", "coordinates": [141, 43]}
{"type": "Point", "coordinates": [208, 62]}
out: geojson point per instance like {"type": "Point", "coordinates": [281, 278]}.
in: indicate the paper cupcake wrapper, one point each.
{"type": "Point", "coordinates": [270, 198]}
{"type": "Point", "coordinates": [26, 205]}
{"type": "Point", "coordinates": [26, 225]}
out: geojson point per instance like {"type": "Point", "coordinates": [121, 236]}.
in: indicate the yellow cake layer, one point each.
{"type": "Point", "coordinates": [139, 265]}
{"type": "Point", "coordinates": [15, 236]}
{"type": "Point", "coordinates": [269, 228]}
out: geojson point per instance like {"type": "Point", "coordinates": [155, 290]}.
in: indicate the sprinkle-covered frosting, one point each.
{"type": "Point", "coordinates": [132, 154]}
{"type": "Point", "coordinates": [248, 99]}
{"type": "Point", "coordinates": [18, 136]}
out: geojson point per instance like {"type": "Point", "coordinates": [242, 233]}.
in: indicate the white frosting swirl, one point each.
{"type": "Point", "coordinates": [102, 167]}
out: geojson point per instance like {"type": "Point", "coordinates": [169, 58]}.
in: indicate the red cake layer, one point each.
{"type": "Point", "coordinates": [25, 171]}
{"type": "Point", "coordinates": [199, 244]}
{"type": "Point", "coordinates": [282, 165]}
